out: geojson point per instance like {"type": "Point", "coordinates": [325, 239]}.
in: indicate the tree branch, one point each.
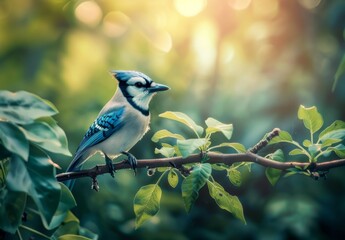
{"type": "Point", "coordinates": [227, 159]}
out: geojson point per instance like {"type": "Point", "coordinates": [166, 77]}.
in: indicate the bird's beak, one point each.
{"type": "Point", "coordinates": [157, 87]}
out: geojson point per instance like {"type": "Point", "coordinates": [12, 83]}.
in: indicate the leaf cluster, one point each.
{"type": "Point", "coordinates": [313, 149]}
{"type": "Point", "coordinates": [29, 136]}
{"type": "Point", "coordinates": [147, 199]}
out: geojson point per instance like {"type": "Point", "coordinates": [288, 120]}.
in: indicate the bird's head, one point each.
{"type": "Point", "coordinates": [138, 88]}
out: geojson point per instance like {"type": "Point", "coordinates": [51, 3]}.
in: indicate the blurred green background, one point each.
{"type": "Point", "coordinates": [246, 62]}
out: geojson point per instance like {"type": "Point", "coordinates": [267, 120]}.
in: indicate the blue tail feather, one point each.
{"type": "Point", "coordinates": [73, 167]}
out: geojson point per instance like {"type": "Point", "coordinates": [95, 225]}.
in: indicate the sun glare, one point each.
{"type": "Point", "coordinates": [204, 46]}
{"type": "Point", "coordinates": [190, 8]}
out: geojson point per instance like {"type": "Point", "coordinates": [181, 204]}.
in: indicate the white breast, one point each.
{"type": "Point", "coordinates": [134, 128]}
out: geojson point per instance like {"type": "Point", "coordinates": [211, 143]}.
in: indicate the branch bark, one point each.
{"type": "Point", "coordinates": [178, 162]}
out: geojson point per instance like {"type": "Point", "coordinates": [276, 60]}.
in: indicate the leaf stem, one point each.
{"type": "Point", "coordinates": [311, 137]}
{"type": "Point", "coordinates": [161, 176]}
{"type": "Point", "coordinates": [34, 231]}
{"type": "Point", "coordinates": [33, 211]}
{"type": "Point", "coordinates": [303, 150]}
{"type": "Point", "coordinates": [19, 235]}
{"type": "Point", "coordinates": [196, 133]}
{"type": "Point", "coordinates": [320, 154]}
{"type": "Point", "coordinates": [239, 165]}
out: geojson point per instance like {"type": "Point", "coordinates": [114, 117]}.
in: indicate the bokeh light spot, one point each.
{"type": "Point", "coordinates": [88, 13]}
{"type": "Point", "coordinates": [266, 8]}
{"type": "Point", "coordinates": [115, 24]}
{"type": "Point", "coordinates": [239, 4]}
{"type": "Point", "coordinates": [258, 31]}
{"type": "Point", "coordinates": [189, 8]}
{"type": "Point", "coordinates": [204, 46]}
{"type": "Point", "coordinates": [310, 4]}
{"type": "Point", "coordinates": [162, 41]}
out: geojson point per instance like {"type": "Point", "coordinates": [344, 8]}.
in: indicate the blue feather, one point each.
{"type": "Point", "coordinates": [103, 127]}
{"type": "Point", "coordinates": [124, 76]}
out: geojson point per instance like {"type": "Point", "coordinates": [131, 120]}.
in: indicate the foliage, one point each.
{"type": "Point", "coordinates": [199, 174]}
{"type": "Point", "coordinates": [248, 62]}
{"type": "Point", "coordinates": [147, 200]}
{"type": "Point", "coordinates": [329, 140]}
{"type": "Point", "coordinates": [29, 138]}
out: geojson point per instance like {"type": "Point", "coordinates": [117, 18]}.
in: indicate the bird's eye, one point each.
{"type": "Point", "coordinates": [139, 84]}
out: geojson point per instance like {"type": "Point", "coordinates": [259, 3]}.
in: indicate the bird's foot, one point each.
{"type": "Point", "coordinates": [109, 163]}
{"type": "Point", "coordinates": [132, 161]}
{"type": "Point", "coordinates": [95, 185]}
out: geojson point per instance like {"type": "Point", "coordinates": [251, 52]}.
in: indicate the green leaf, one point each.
{"type": "Point", "coordinates": [214, 126]}
{"type": "Point", "coordinates": [59, 133]}
{"type": "Point", "coordinates": [18, 178]}
{"type": "Point", "coordinates": [297, 170]}
{"type": "Point", "coordinates": [162, 169]}
{"type": "Point", "coordinates": [282, 137]}
{"type": "Point", "coordinates": [235, 177]}
{"type": "Point", "coordinates": [146, 203]}
{"type": "Point", "coordinates": [290, 173]}
{"type": "Point", "coordinates": [312, 119]}
{"type": "Point", "coordinates": [238, 147]}
{"type": "Point", "coordinates": [220, 167]}
{"type": "Point", "coordinates": [12, 206]}
{"type": "Point", "coordinates": [296, 151]}
{"type": "Point", "coordinates": [183, 118]}
{"type": "Point", "coordinates": [278, 155]}
{"type": "Point", "coordinates": [37, 179]}
{"type": "Point", "coordinates": [165, 134]}
{"type": "Point", "coordinates": [87, 233]}
{"type": "Point", "coordinates": [307, 143]}
{"type": "Point", "coordinates": [14, 140]}
{"type": "Point", "coordinates": [194, 182]}
{"type": "Point", "coordinates": [340, 71]}
{"type": "Point", "coordinates": [334, 131]}
{"type": "Point", "coordinates": [66, 202]}
{"type": "Point", "coordinates": [165, 151]}
{"type": "Point", "coordinates": [72, 237]}
{"type": "Point", "coordinates": [273, 174]}
{"type": "Point", "coordinates": [314, 149]}
{"type": "Point", "coordinates": [23, 107]}
{"type": "Point", "coordinates": [189, 146]}
{"type": "Point", "coordinates": [339, 150]}
{"type": "Point", "coordinates": [70, 225]}
{"type": "Point", "coordinates": [70, 228]}
{"type": "Point", "coordinates": [226, 201]}
{"type": "Point", "coordinates": [44, 136]}
{"type": "Point", "coordinates": [330, 141]}
{"type": "Point", "coordinates": [172, 178]}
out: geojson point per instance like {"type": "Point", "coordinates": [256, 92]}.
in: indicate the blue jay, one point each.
{"type": "Point", "coordinates": [121, 123]}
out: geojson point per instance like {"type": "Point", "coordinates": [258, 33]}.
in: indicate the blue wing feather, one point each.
{"type": "Point", "coordinates": [103, 127]}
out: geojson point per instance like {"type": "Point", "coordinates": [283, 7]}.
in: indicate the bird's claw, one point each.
{"type": "Point", "coordinates": [132, 161]}
{"type": "Point", "coordinates": [95, 185]}
{"type": "Point", "coordinates": [110, 165]}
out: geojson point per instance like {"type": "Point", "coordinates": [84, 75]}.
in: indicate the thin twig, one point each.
{"type": "Point", "coordinates": [263, 143]}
